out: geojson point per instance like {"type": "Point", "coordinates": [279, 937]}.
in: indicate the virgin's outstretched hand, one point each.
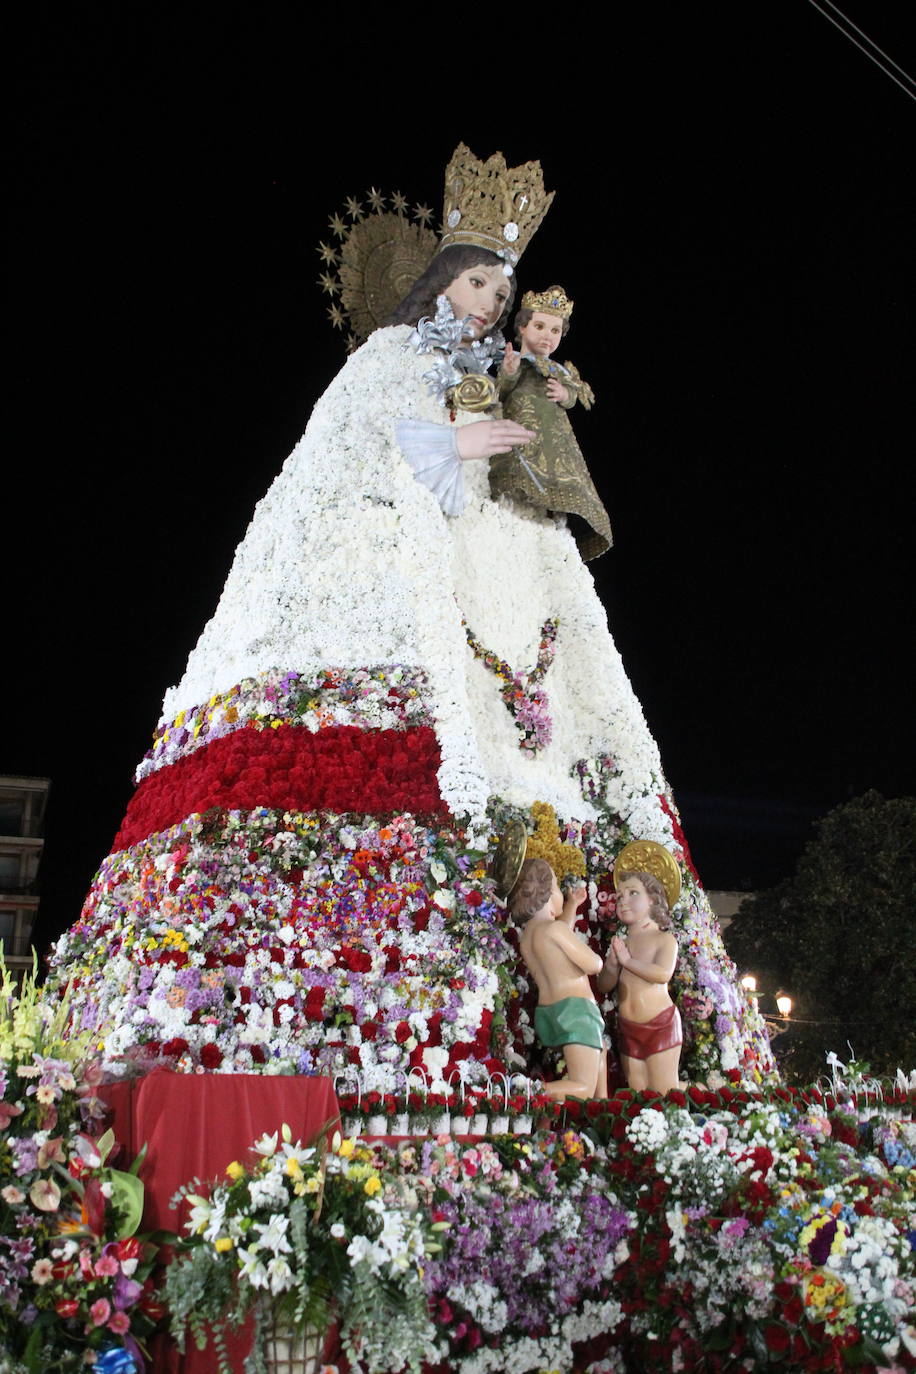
{"type": "Point", "coordinates": [485, 438]}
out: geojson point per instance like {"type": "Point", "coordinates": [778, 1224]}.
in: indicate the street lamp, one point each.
{"type": "Point", "coordinates": [777, 1024]}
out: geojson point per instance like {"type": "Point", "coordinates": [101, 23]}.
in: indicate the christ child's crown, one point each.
{"type": "Point", "coordinates": [491, 205]}
{"type": "Point", "coordinates": [553, 301]}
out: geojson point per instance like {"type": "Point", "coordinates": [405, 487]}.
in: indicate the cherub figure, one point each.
{"type": "Point", "coordinates": [567, 1014]}
{"type": "Point", "coordinates": [549, 470]}
{"type": "Point", "coordinates": [640, 966]}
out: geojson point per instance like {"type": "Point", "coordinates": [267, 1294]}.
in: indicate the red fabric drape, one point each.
{"type": "Point", "coordinates": [193, 1126]}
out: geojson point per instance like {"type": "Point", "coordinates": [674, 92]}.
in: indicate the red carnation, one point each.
{"type": "Point", "coordinates": [211, 1056]}
{"type": "Point", "coordinates": [402, 1032]}
{"type": "Point", "coordinates": [792, 1311]}
{"type": "Point", "coordinates": [314, 1004]}
{"type": "Point", "coordinates": [473, 898]}
{"type": "Point", "coordinates": [356, 960]}
{"type": "Point", "coordinates": [776, 1337]}
{"type": "Point", "coordinates": [762, 1160]}
{"type": "Point", "coordinates": [176, 1046]}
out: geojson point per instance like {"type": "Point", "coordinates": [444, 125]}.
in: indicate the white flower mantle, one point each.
{"type": "Point", "coordinates": [349, 561]}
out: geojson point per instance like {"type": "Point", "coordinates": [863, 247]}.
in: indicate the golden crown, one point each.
{"type": "Point", "coordinates": [553, 301]}
{"type": "Point", "coordinates": [491, 205]}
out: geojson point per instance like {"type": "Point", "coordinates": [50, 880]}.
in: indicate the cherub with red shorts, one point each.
{"type": "Point", "coordinates": [640, 967]}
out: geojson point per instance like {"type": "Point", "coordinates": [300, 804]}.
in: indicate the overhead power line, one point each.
{"type": "Point", "coordinates": [870, 48]}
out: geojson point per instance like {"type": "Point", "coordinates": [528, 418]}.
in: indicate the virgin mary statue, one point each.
{"type": "Point", "coordinates": [401, 664]}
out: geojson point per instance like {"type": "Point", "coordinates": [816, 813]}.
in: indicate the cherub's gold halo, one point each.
{"type": "Point", "coordinates": [506, 864]}
{"type": "Point", "coordinates": [646, 856]}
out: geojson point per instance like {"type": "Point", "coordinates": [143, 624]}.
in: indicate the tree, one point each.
{"type": "Point", "coordinates": [838, 937]}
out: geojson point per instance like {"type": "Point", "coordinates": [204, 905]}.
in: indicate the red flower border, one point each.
{"type": "Point", "coordinates": [341, 768]}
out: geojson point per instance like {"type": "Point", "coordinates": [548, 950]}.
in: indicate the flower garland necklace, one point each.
{"type": "Point", "coordinates": [527, 702]}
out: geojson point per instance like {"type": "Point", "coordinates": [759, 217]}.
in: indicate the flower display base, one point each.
{"type": "Point", "coordinates": [292, 1352]}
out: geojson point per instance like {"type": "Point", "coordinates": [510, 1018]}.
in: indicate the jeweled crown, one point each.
{"type": "Point", "coordinates": [553, 301]}
{"type": "Point", "coordinates": [491, 205]}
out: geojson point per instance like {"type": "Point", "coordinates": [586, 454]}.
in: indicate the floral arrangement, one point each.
{"type": "Point", "coordinates": [775, 1228]}
{"type": "Point", "coordinates": [521, 692]}
{"type": "Point", "coordinates": [534, 1237]}
{"type": "Point", "coordinates": [285, 941]}
{"type": "Point", "coordinates": [715, 1230]}
{"type": "Point", "coordinates": [299, 1237]}
{"type": "Point", "coordinates": [74, 1278]}
{"type": "Point", "coordinates": [385, 697]}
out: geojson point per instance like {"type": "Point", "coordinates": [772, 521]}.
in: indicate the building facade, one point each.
{"type": "Point", "coordinates": [22, 814]}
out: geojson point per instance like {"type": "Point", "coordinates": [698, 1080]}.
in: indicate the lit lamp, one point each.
{"type": "Point", "coordinates": [784, 1004]}
{"type": "Point", "coordinates": [749, 983]}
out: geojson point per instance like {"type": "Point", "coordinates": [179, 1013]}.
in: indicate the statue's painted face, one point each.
{"type": "Point", "coordinates": [541, 335]}
{"type": "Point", "coordinates": [634, 904]}
{"type": "Point", "coordinates": [481, 293]}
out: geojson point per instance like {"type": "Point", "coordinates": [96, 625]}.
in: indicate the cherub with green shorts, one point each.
{"type": "Point", "coordinates": [560, 963]}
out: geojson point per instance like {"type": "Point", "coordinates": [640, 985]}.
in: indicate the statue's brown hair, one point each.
{"type": "Point", "coordinates": [531, 891]}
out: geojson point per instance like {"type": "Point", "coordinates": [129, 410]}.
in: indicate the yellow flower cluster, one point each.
{"type": "Point", "coordinates": [565, 859]}
{"type": "Point", "coordinates": [173, 939]}
{"type": "Point", "coordinates": [825, 1294]}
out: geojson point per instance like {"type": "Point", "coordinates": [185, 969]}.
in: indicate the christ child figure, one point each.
{"type": "Point", "coordinates": [567, 1015]}
{"type": "Point", "coordinates": [640, 966]}
{"type": "Point", "coordinates": [536, 391]}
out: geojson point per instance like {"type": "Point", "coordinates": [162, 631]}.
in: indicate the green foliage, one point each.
{"type": "Point", "coordinates": [197, 1295]}
{"type": "Point", "coordinates": [837, 936]}
{"type": "Point", "coordinates": [385, 1327]}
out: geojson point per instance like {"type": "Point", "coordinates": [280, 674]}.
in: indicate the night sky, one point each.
{"type": "Point", "coordinates": [734, 219]}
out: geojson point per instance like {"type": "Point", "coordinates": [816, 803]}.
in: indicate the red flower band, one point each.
{"type": "Point", "coordinates": [341, 768]}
